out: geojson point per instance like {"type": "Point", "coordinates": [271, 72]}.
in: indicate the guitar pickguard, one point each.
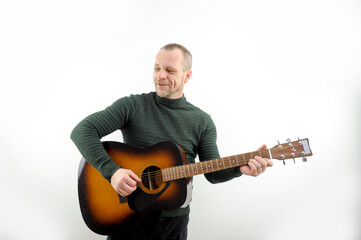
{"type": "Point", "coordinates": [139, 200]}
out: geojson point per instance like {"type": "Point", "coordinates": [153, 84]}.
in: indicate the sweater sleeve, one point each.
{"type": "Point", "coordinates": [208, 150]}
{"type": "Point", "coordinates": [87, 134]}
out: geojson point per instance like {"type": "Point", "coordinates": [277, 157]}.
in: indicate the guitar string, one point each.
{"type": "Point", "coordinates": [158, 173]}
{"type": "Point", "coordinates": [153, 175]}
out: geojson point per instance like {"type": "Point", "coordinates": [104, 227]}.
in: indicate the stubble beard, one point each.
{"type": "Point", "coordinates": [164, 94]}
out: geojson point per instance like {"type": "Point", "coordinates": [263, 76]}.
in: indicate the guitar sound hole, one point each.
{"type": "Point", "coordinates": [152, 178]}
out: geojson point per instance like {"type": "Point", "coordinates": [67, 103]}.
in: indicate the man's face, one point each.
{"type": "Point", "coordinates": [169, 77]}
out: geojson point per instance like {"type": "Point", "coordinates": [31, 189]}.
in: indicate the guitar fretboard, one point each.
{"type": "Point", "coordinates": [189, 170]}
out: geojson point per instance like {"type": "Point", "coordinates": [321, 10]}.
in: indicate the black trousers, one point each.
{"type": "Point", "coordinates": [159, 228]}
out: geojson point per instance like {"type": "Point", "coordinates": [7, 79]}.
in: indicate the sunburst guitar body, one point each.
{"type": "Point", "coordinates": [105, 212]}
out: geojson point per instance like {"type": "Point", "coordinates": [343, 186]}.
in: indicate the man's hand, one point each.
{"type": "Point", "coordinates": [124, 181]}
{"type": "Point", "coordinates": [257, 165]}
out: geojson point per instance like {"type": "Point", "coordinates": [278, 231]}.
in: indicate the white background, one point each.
{"type": "Point", "coordinates": [265, 71]}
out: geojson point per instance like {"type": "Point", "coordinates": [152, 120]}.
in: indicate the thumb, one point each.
{"type": "Point", "coordinates": [263, 147]}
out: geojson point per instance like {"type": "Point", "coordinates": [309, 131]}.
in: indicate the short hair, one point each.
{"type": "Point", "coordinates": [187, 56]}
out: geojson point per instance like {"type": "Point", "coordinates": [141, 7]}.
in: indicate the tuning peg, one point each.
{"type": "Point", "coordinates": [304, 159]}
{"type": "Point", "coordinates": [293, 156]}
{"type": "Point", "coordinates": [283, 158]}
{"type": "Point", "coordinates": [288, 140]}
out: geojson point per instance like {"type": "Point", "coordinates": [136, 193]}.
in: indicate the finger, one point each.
{"type": "Point", "coordinates": [120, 193]}
{"type": "Point", "coordinates": [269, 163]}
{"type": "Point", "coordinates": [256, 163]}
{"type": "Point", "coordinates": [123, 193]}
{"type": "Point", "coordinates": [134, 176]}
{"type": "Point", "coordinates": [262, 162]}
{"type": "Point", "coordinates": [255, 166]}
{"type": "Point", "coordinates": [124, 189]}
{"type": "Point", "coordinates": [128, 189]}
{"type": "Point", "coordinates": [245, 169]}
{"type": "Point", "coordinates": [129, 182]}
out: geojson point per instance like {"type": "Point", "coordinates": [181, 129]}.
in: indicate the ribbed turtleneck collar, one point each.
{"type": "Point", "coordinates": [172, 103]}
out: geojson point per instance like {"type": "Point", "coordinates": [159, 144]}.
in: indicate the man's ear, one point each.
{"type": "Point", "coordinates": [188, 76]}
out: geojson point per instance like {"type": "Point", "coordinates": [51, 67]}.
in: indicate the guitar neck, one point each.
{"type": "Point", "coordinates": [189, 170]}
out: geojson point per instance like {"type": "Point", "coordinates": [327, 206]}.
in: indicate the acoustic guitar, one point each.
{"type": "Point", "coordinates": [165, 174]}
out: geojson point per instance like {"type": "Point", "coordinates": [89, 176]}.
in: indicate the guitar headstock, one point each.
{"type": "Point", "coordinates": [295, 149]}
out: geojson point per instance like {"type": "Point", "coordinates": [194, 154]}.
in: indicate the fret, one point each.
{"type": "Point", "coordinates": [172, 173]}
{"type": "Point", "coordinates": [222, 162]}
{"type": "Point", "coordinates": [181, 172]}
{"type": "Point", "coordinates": [200, 167]}
{"type": "Point", "coordinates": [167, 174]}
{"type": "Point", "coordinates": [175, 173]}
{"type": "Point", "coordinates": [178, 172]}
{"type": "Point", "coordinates": [164, 179]}
{"type": "Point", "coordinates": [267, 153]}
{"type": "Point", "coordinates": [205, 167]}
{"type": "Point", "coordinates": [208, 166]}
{"type": "Point", "coordinates": [194, 172]}
{"type": "Point", "coordinates": [189, 172]}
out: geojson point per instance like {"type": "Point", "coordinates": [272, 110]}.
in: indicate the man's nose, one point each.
{"type": "Point", "coordinates": [162, 74]}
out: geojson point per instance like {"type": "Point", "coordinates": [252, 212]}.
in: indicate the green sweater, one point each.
{"type": "Point", "coordinates": [145, 120]}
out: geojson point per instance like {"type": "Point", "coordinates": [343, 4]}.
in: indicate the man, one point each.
{"type": "Point", "coordinates": [147, 119]}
